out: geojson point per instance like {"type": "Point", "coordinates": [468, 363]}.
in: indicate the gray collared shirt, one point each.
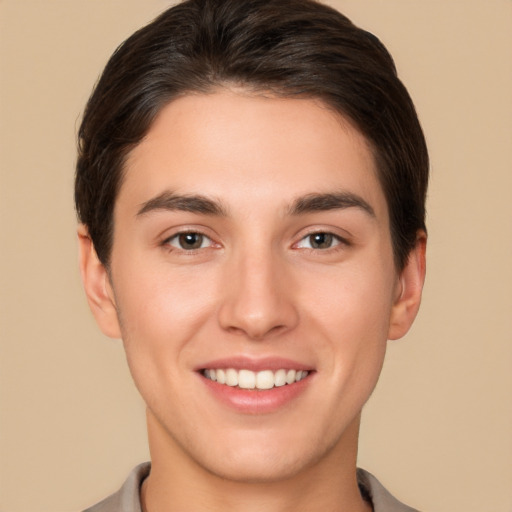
{"type": "Point", "coordinates": [127, 499]}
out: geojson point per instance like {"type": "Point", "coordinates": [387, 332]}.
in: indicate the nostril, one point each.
{"type": "Point", "coordinates": [257, 304]}
{"type": "Point", "coordinates": [255, 333]}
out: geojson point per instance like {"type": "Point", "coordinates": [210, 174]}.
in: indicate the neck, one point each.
{"type": "Point", "coordinates": [177, 482]}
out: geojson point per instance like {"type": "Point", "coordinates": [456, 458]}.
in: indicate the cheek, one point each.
{"type": "Point", "coordinates": [353, 301]}
{"type": "Point", "coordinates": [160, 317]}
{"type": "Point", "coordinates": [351, 311]}
{"type": "Point", "coordinates": [161, 311]}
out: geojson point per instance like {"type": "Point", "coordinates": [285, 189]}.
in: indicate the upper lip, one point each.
{"type": "Point", "coordinates": [254, 364]}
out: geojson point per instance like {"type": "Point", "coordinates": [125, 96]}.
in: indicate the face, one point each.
{"type": "Point", "coordinates": [253, 283]}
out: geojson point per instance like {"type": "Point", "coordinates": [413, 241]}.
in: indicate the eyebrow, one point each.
{"type": "Point", "coordinates": [310, 203]}
{"type": "Point", "coordinates": [333, 201]}
{"type": "Point", "coordinates": [171, 201]}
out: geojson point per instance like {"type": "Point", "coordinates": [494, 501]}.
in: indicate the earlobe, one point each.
{"type": "Point", "coordinates": [410, 287]}
{"type": "Point", "coordinates": [97, 286]}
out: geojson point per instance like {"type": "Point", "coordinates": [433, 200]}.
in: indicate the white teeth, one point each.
{"type": "Point", "coordinates": [221, 376]}
{"type": "Point", "coordinates": [231, 377]}
{"type": "Point", "coordinates": [290, 376]}
{"type": "Point", "coordinates": [265, 379]}
{"type": "Point", "coordinates": [280, 378]}
{"type": "Point", "coordinates": [247, 379]}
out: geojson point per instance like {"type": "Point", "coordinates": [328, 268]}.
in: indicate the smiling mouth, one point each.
{"type": "Point", "coordinates": [247, 379]}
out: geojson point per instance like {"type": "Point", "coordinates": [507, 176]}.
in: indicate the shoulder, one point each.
{"type": "Point", "coordinates": [127, 499]}
{"type": "Point", "coordinates": [381, 499]}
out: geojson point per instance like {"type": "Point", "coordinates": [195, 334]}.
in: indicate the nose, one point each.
{"type": "Point", "coordinates": [258, 297]}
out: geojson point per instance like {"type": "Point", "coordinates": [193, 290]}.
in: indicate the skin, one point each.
{"type": "Point", "coordinates": [257, 286]}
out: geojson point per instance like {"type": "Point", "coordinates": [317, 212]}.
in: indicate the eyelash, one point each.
{"type": "Point", "coordinates": [178, 237]}
{"type": "Point", "coordinates": [334, 241]}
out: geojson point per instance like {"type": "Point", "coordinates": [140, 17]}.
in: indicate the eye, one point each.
{"type": "Point", "coordinates": [319, 240]}
{"type": "Point", "coordinates": [189, 241]}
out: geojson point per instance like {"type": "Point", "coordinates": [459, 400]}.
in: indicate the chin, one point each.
{"type": "Point", "coordinates": [261, 468]}
{"type": "Point", "coordinates": [265, 459]}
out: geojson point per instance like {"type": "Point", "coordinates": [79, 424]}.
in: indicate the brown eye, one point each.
{"type": "Point", "coordinates": [321, 240]}
{"type": "Point", "coordinates": [189, 241]}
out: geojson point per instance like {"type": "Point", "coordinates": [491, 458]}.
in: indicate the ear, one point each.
{"type": "Point", "coordinates": [98, 288]}
{"type": "Point", "coordinates": [409, 288]}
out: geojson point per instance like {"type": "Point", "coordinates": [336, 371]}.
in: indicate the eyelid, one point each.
{"type": "Point", "coordinates": [177, 236]}
{"type": "Point", "coordinates": [340, 239]}
{"type": "Point", "coordinates": [183, 230]}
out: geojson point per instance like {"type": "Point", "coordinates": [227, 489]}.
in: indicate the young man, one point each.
{"type": "Point", "coordinates": [250, 187]}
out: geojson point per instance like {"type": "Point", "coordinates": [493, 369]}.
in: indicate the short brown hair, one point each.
{"type": "Point", "coordinates": [288, 48]}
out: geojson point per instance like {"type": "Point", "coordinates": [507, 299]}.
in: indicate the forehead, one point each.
{"type": "Point", "coordinates": [242, 148]}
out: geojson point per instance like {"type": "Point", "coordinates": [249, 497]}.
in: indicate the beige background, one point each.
{"type": "Point", "coordinates": [438, 430]}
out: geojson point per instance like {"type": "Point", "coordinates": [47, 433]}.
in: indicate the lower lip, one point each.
{"type": "Point", "coordinates": [257, 401]}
